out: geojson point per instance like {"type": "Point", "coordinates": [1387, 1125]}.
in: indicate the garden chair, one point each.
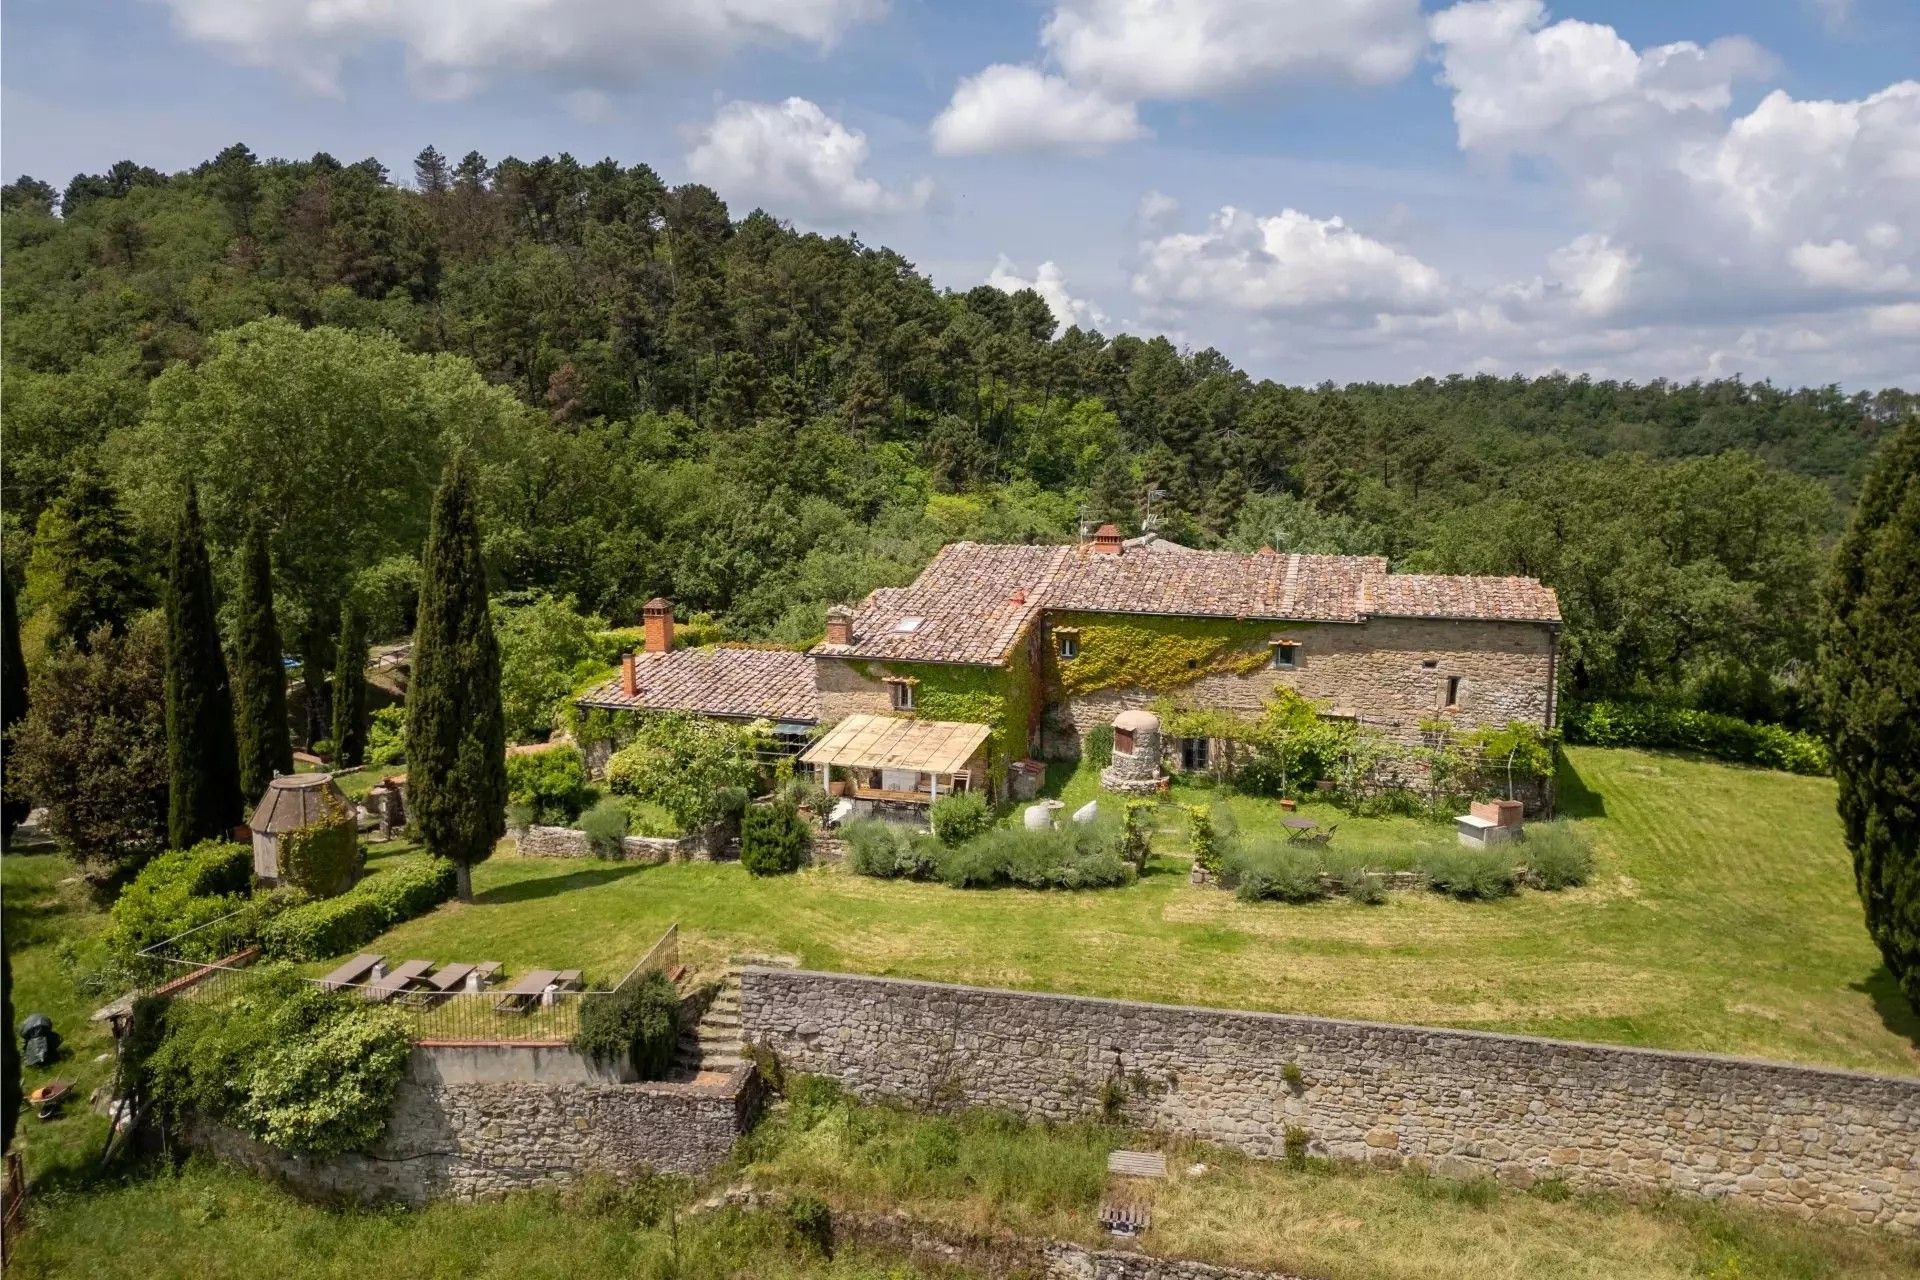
{"type": "Point", "coordinates": [1321, 839]}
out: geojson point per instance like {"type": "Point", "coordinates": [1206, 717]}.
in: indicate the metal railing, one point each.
{"type": "Point", "coordinates": [487, 1015]}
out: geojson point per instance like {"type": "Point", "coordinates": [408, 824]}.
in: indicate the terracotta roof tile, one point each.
{"type": "Point", "coordinates": [776, 684]}
{"type": "Point", "coordinates": [975, 600]}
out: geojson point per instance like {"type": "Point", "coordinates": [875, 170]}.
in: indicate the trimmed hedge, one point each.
{"type": "Point", "coordinates": [1659, 724]}
{"type": "Point", "coordinates": [182, 889]}
{"type": "Point", "coordinates": [333, 926]}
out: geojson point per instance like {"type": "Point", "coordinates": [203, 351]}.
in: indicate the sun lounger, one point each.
{"type": "Point", "coordinates": [567, 979]}
{"type": "Point", "coordinates": [399, 980]}
{"type": "Point", "coordinates": [528, 989]}
{"type": "Point", "coordinates": [358, 969]}
{"type": "Point", "coordinates": [448, 977]}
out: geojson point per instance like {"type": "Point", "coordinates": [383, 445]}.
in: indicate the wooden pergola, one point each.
{"type": "Point", "coordinates": [889, 759]}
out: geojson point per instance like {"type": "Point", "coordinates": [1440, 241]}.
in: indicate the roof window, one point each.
{"type": "Point", "coordinates": [910, 625]}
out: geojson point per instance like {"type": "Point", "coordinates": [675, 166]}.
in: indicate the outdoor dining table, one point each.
{"type": "Point", "coordinates": [1299, 826]}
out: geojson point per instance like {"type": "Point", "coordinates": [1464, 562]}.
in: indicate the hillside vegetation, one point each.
{"type": "Point", "coordinates": [755, 422]}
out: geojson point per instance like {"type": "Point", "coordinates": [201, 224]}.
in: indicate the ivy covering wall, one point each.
{"type": "Point", "coordinates": [999, 697]}
{"type": "Point", "coordinates": [1120, 651]}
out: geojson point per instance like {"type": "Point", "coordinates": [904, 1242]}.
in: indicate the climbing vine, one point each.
{"type": "Point", "coordinates": [1120, 651]}
{"type": "Point", "coordinates": [999, 697]}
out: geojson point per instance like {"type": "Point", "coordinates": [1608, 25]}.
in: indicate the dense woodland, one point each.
{"type": "Point", "coordinates": [756, 422]}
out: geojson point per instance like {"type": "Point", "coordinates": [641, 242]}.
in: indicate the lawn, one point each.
{"type": "Point", "coordinates": [1722, 917]}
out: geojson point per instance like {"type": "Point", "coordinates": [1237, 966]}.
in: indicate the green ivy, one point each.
{"type": "Point", "coordinates": [1133, 651]}
{"type": "Point", "coordinates": [323, 858]}
{"type": "Point", "coordinates": [999, 697]}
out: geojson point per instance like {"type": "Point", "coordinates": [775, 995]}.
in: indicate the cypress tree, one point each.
{"type": "Point", "coordinates": [203, 758]}
{"type": "Point", "coordinates": [350, 689]}
{"type": "Point", "coordinates": [259, 674]}
{"type": "Point", "coordinates": [14, 807]}
{"type": "Point", "coordinates": [456, 730]}
{"type": "Point", "coordinates": [1870, 694]}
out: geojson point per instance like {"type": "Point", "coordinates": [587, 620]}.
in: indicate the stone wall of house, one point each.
{"type": "Point", "coordinates": [568, 842]}
{"type": "Point", "coordinates": [1828, 1143]}
{"type": "Point", "coordinates": [845, 691]}
{"type": "Point", "coordinates": [1373, 670]}
{"type": "Point", "coordinates": [464, 1141]}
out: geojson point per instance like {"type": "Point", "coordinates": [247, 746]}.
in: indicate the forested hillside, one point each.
{"type": "Point", "coordinates": [757, 422]}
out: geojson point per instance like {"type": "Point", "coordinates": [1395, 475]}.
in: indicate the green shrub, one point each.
{"type": "Point", "coordinates": [890, 851]}
{"type": "Point", "coordinates": [333, 926]}
{"type": "Point", "coordinates": [811, 1222]}
{"type": "Point", "coordinates": [1201, 839]}
{"type": "Point", "coordinates": [301, 1069]}
{"type": "Point", "coordinates": [959, 817]}
{"type": "Point", "coordinates": [387, 737]}
{"type": "Point", "coordinates": [1096, 746]}
{"type": "Point", "coordinates": [552, 784]}
{"type": "Point", "coordinates": [605, 826]}
{"type": "Point", "coordinates": [1660, 724]}
{"type": "Point", "coordinates": [638, 1024]}
{"type": "Point", "coordinates": [774, 839]}
{"type": "Point", "coordinates": [1275, 872]}
{"type": "Point", "coordinates": [1136, 831]}
{"type": "Point", "coordinates": [1473, 874]}
{"type": "Point", "coordinates": [1559, 854]}
{"type": "Point", "coordinates": [696, 769]}
{"type": "Point", "coordinates": [1079, 855]}
{"type": "Point", "coordinates": [179, 890]}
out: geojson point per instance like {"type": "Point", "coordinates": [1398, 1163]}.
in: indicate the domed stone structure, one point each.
{"type": "Point", "coordinates": [1135, 770]}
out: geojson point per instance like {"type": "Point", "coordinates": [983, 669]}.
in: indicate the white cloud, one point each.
{"type": "Point", "coordinates": [1787, 209]}
{"type": "Point", "coordinates": [1288, 264]}
{"type": "Point", "coordinates": [1156, 211]}
{"type": "Point", "coordinates": [1199, 48]}
{"type": "Point", "coordinates": [1051, 284]}
{"type": "Point", "coordinates": [1009, 108]}
{"type": "Point", "coordinates": [795, 158]}
{"type": "Point", "coordinates": [453, 47]}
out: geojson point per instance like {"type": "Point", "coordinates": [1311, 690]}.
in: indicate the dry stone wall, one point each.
{"type": "Point", "coordinates": [464, 1141]}
{"type": "Point", "coordinates": [1838, 1145]}
{"type": "Point", "coordinates": [568, 842]}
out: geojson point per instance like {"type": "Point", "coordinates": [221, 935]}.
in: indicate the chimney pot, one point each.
{"type": "Point", "coordinates": [1107, 540]}
{"type": "Point", "coordinates": [1018, 597]}
{"type": "Point", "coordinates": [657, 617]}
{"type": "Point", "coordinates": [839, 625]}
{"type": "Point", "coordinates": [629, 686]}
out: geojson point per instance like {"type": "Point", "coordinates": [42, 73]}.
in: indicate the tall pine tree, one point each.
{"type": "Point", "coordinates": [1870, 691]}
{"type": "Point", "coordinates": [203, 757]}
{"type": "Point", "coordinates": [14, 805]}
{"type": "Point", "coordinates": [86, 571]}
{"type": "Point", "coordinates": [259, 673]}
{"type": "Point", "coordinates": [456, 731]}
{"type": "Point", "coordinates": [350, 689]}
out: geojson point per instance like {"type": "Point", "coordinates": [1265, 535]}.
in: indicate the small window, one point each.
{"type": "Point", "coordinates": [1453, 692]}
{"type": "Point", "coordinates": [1195, 754]}
{"type": "Point", "coordinates": [902, 692]}
{"type": "Point", "coordinates": [1286, 655]}
{"type": "Point", "coordinates": [1069, 645]}
{"type": "Point", "coordinates": [1123, 742]}
{"type": "Point", "coordinates": [909, 625]}
{"type": "Point", "coordinates": [1429, 663]}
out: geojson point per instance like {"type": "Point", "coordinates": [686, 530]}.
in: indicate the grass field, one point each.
{"type": "Point", "coordinates": [1722, 917]}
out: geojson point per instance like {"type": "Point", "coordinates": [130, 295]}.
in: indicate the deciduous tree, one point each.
{"type": "Point", "coordinates": [1870, 686]}
{"type": "Point", "coordinates": [456, 732]}
{"type": "Point", "coordinates": [14, 804]}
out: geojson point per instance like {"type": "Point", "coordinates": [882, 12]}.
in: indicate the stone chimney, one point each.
{"type": "Point", "coordinates": [1107, 540]}
{"type": "Point", "coordinates": [839, 625]}
{"type": "Point", "coordinates": [657, 614]}
{"type": "Point", "coordinates": [629, 686]}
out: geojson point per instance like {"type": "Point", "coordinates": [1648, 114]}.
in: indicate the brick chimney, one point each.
{"type": "Point", "coordinates": [839, 625]}
{"type": "Point", "coordinates": [657, 614]}
{"type": "Point", "coordinates": [1019, 596]}
{"type": "Point", "coordinates": [629, 686]}
{"type": "Point", "coordinates": [1107, 540]}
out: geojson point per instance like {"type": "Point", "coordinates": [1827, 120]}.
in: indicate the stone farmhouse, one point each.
{"type": "Point", "coordinates": [1040, 644]}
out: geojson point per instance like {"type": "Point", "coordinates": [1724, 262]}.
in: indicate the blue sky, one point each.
{"type": "Point", "coordinates": [1342, 189]}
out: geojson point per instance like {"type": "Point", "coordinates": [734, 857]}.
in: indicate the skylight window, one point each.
{"type": "Point", "coordinates": [909, 625]}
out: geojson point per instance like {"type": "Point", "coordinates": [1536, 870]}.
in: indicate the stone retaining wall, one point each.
{"type": "Point", "coordinates": [996, 1253]}
{"type": "Point", "coordinates": [1835, 1144]}
{"type": "Point", "coordinates": [468, 1140]}
{"type": "Point", "coordinates": [567, 842]}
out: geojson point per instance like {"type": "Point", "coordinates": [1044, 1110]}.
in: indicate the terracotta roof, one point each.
{"type": "Point", "coordinates": [296, 800]}
{"type": "Point", "coordinates": [750, 684]}
{"type": "Point", "coordinates": [975, 600]}
{"type": "Point", "coordinates": [886, 742]}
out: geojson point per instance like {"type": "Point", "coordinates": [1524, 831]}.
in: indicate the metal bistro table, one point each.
{"type": "Point", "coordinates": [1299, 826]}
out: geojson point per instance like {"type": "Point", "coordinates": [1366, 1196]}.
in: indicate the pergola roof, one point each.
{"type": "Point", "coordinates": [887, 742]}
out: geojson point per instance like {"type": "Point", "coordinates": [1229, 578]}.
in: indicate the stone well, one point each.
{"type": "Point", "coordinates": [1135, 770]}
